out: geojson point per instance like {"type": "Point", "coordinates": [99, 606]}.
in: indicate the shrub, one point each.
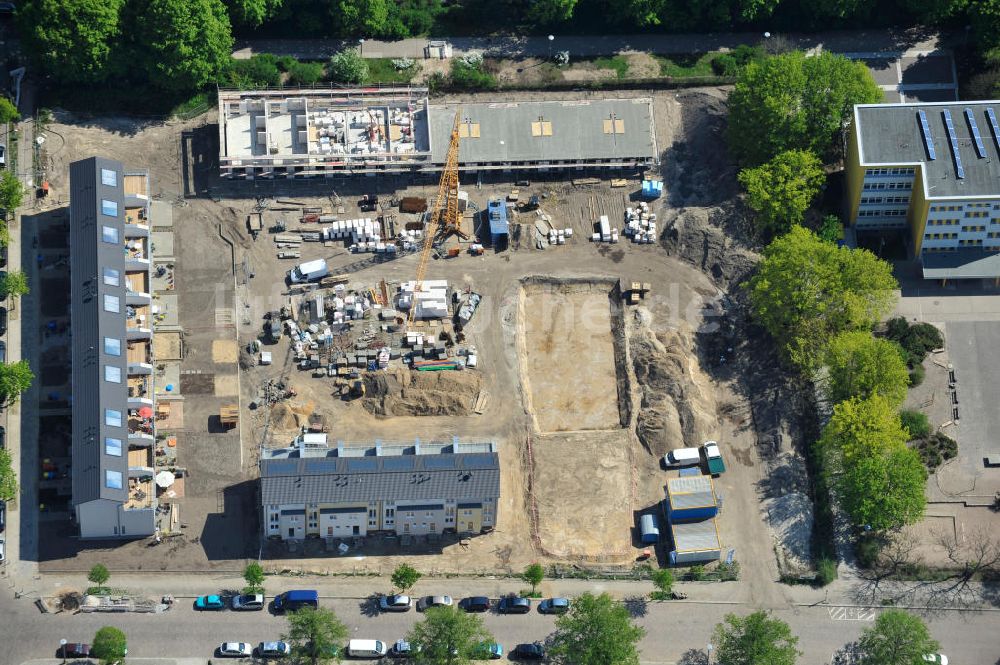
{"type": "Point", "coordinates": [470, 76]}
{"type": "Point", "coordinates": [869, 548]}
{"type": "Point", "coordinates": [348, 67]}
{"type": "Point", "coordinates": [305, 73]}
{"type": "Point", "coordinates": [697, 572]}
{"type": "Point", "coordinates": [916, 423]}
{"type": "Point", "coordinates": [917, 373]}
{"type": "Point", "coordinates": [730, 64]}
{"type": "Point", "coordinates": [259, 71]}
{"type": "Point", "coordinates": [826, 571]}
{"type": "Point", "coordinates": [286, 62]}
{"type": "Point", "coordinates": [917, 339]}
{"type": "Point", "coordinates": [935, 449]}
{"type": "Point", "coordinates": [831, 229]}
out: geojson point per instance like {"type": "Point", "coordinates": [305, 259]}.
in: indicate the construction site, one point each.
{"type": "Point", "coordinates": [570, 321]}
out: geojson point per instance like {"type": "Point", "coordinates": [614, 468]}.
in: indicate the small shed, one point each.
{"type": "Point", "coordinates": [652, 188]}
{"type": "Point", "coordinates": [690, 498]}
{"type": "Point", "coordinates": [649, 529]}
{"type": "Point", "coordinates": [695, 542]}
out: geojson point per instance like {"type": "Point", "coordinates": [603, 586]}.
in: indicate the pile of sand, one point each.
{"type": "Point", "coordinates": [402, 392]}
{"type": "Point", "coordinates": [704, 237]}
{"type": "Point", "coordinates": [678, 406]}
{"type": "Point", "coordinates": [291, 415]}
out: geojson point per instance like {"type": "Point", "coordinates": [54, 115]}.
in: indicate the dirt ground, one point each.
{"type": "Point", "coordinates": [586, 488]}
{"type": "Point", "coordinates": [569, 371]}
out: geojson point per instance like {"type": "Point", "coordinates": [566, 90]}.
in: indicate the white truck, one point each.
{"type": "Point", "coordinates": [310, 271]}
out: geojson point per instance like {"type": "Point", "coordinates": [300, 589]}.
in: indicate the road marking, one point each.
{"type": "Point", "coordinates": [853, 613]}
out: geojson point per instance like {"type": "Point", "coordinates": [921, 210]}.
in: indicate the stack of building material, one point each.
{"type": "Point", "coordinates": [430, 301]}
{"type": "Point", "coordinates": [605, 233]}
{"type": "Point", "coordinates": [640, 224]}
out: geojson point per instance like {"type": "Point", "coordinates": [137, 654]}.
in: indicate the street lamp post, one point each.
{"type": "Point", "coordinates": [62, 647]}
{"type": "Point", "coordinates": [361, 47]}
{"type": "Point", "coordinates": [709, 649]}
{"type": "Point", "coordinates": [551, 39]}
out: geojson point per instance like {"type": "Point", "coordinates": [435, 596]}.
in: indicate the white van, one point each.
{"type": "Point", "coordinates": [366, 649]}
{"type": "Point", "coordinates": [682, 457]}
{"type": "Point", "coordinates": [309, 271]}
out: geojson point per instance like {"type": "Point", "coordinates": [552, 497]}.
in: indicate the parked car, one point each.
{"type": "Point", "coordinates": [3, 515]}
{"type": "Point", "coordinates": [3, 156]}
{"type": "Point", "coordinates": [397, 602]}
{"type": "Point", "coordinates": [936, 658]}
{"type": "Point", "coordinates": [514, 605]}
{"type": "Point", "coordinates": [3, 352]}
{"type": "Point", "coordinates": [291, 601]}
{"type": "Point", "coordinates": [475, 604]}
{"type": "Point", "coordinates": [554, 606]}
{"type": "Point", "coordinates": [74, 650]}
{"type": "Point", "coordinates": [3, 437]}
{"type": "Point", "coordinates": [533, 651]}
{"type": "Point", "coordinates": [274, 649]}
{"type": "Point", "coordinates": [713, 458]}
{"type": "Point", "coordinates": [403, 649]}
{"type": "Point", "coordinates": [209, 603]}
{"type": "Point", "coordinates": [366, 649]}
{"type": "Point", "coordinates": [433, 601]}
{"type": "Point", "coordinates": [682, 457]}
{"type": "Point", "coordinates": [3, 548]}
{"type": "Point", "coordinates": [248, 601]}
{"type": "Point", "coordinates": [3, 256]}
{"type": "Point", "coordinates": [3, 320]}
{"type": "Point", "coordinates": [487, 651]}
{"type": "Point", "coordinates": [234, 650]}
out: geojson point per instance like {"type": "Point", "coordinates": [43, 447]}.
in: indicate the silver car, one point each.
{"type": "Point", "coordinates": [433, 601]}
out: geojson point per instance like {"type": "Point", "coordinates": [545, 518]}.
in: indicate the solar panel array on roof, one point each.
{"type": "Point", "coordinates": [400, 463]}
{"type": "Point", "coordinates": [439, 462]}
{"type": "Point", "coordinates": [953, 140]}
{"type": "Point", "coordinates": [992, 116]}
{"type": "Point", "coordinates": [976, 136]}
{"type": "Point", "coordinates": [477, 461]}
{"type": "Point", "coordinates": [320, 465]}
{"type": "Point", "coordinates": [925, 130]}
{"type": "Point", "coordinates": [362, 464]}
{"type": "Point", "coordinates": [281, 467]}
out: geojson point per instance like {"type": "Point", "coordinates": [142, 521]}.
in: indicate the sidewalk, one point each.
{"type": "Point", "coordinates": [842, 41]}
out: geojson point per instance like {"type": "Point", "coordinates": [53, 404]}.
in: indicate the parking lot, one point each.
{"type": "Point", "coordinates": [913, 76]}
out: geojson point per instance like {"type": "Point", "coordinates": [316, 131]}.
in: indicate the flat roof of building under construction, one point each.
{"type": "Point", "coordinates": [396, 128]}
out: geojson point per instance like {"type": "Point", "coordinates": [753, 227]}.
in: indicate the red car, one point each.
{"type": "Point", "coordinates": [74, 650]}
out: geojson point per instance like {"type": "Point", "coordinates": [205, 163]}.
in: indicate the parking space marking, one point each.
{"type": "Point", "coordinates": [853, 613]}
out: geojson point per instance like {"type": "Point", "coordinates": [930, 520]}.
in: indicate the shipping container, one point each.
{"type": "Point", "coordinates": [649, 529]}
{"type": "Point", "coordinates": [690, 499]}
{"type": "Point", "coordinates": [696, 542]}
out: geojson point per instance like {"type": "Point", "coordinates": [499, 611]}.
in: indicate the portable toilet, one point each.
{"type": "Point", "coordinates": [649, 530]}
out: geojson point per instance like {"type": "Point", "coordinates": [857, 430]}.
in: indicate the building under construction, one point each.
{"type": "Point", "coordinates": [337, 131]}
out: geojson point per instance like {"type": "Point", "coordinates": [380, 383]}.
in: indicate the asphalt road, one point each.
{"type": "Point", "coordinates": [673, 630]}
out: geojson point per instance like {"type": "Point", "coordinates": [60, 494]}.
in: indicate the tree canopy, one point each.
{"type": "Point", "coordinates": [8, 112]}
{"type": "Point", "coordinates": [252, 13]}
{"type": "Point", "coordinates": [109, 645]}
{"type": "Point", "coordinates": [13, 284]}
{"type": "Point", "coordinates": [98, 574]}
{"type": "Point", "coordinates": [315, 634]}
{"type": "Point", "coordinates": [807, 290]}
{"type": "Point", "coordinates": [781, 190]}
{"type": "Point", "coordinates": [8, 477]}
{"type": "Point", "coordinates": [405, 576]}
{"type": "Point", "coordinates": [72, 40]}
{"type": "Point", "coordinates": [595, 631]}
{"type": "Point", "coordinates": [533, 574]}
{"type": "Point", "coordinates": [447, 636]}
{"type": "Point", "coordinates": [348, 66]}
{"type": "Point", "coordinates": [185, 43]}
{"type": "Point", "coordinates": [861, 365]}
{"type": "Point", "coordinates": [15, 378]}
{"type": "Point", "coordinates": [755, 639]}
{"type": "Point", "coordinates": [11, 191]}
{"type": "Point", "coordinates": [253, 575]}
{"type": "Point", "coordinates": [897, 638]}
{"type": "Point", "coordinates": [794, 102]}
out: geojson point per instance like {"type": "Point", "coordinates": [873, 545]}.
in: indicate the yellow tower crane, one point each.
{"type": "Point", "coordinates": [445, 218]}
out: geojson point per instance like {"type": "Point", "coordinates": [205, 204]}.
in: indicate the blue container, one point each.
{"type": "Point", "coordinates": [649, 530]}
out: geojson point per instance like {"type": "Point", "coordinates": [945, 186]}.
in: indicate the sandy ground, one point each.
{"type": "Point", "coordinates": [570, 364]}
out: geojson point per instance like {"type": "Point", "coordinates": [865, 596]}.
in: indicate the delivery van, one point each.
{"type": "Point", "coordinates": [682, 457]}
{"type": "Point", "coordinates": [366, 649]}
{"type": "Point", "coordinates": [310, 271]}
{"type": "Point", "coordinates": [291, 601]}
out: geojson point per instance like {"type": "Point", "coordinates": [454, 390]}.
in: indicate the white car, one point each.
{"type": "Point", "coordinates": [3, 553]}
{"type": "Point", "coordinates": [682, 457]}
{"type": "Point", "coordinates": [936, 658]}
{"type": "Point", "coordinates": [235, 650]}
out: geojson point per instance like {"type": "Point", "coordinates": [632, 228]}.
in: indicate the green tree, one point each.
{"type": "Point", "coordinates": [447, 636]}
{"type": "Point", "coordinates": [595, 631]}
{"type": "Point", "coordinates": [781, 190]}
{"type": "Point", "coordinates": [109, 645]}
{"type": "Point", "coordinates": [404, 577]}
{"type": "Point", "coordinates": [185, 44]}
{"type": "Point", "coordinates": [8, 112]}
{"type": "Point", "coordinates": [859, 425]}
{"type": "Point", "coordinates": [348, 66]}
{"type": "Point", "coordinates": [831, 229]}
{"type": "Point", "coordinates": [252, 13]}
{"type": "Point", "coordinates": [897, 638]}
{"type": "Point", "coordinates": [365, 18]}
{"type": "Point", "coordinates": [663, 580]}
{"type": "Point", "coordinates": [806, 290]}
{"type": "Point", "coordinates": [8, 477]}
{"type": "Point", "coordinates": [13, 284]}
{"type": "Point", "coordinates": [791, 102]}
{"type": "Point", "coordinates": [15, 378]}
{"type": "Point", "coordinates": [11, 191]}
{"type": "Point", "coordinates": [755, 639]}
{"type": "Point", "coordinates": [884, 490]}
{"type": "Point", "coordinates": [71, 40]}
{"type": "Point", "coordinates": [916, 423]}
{"type": "Point", "coordinates": [98, 575]}
{"type": "Point", "coordinates": [253, 575]}
{"type": "Point", "coordinates": [548, 12]}
{"type": "Point", "coordinates": [861, 365]}
{"type": "Point", "coordinates": [315, 635]}
{"type": "Point", "coordinates": [533, 575]}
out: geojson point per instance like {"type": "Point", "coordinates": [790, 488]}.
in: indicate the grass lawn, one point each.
{"type": "Point", "coordinates": [692, 64]}
{"type": "Point", "coordinates": [381, 70]}
{"type": "Point", "coordinates": [619, 63]}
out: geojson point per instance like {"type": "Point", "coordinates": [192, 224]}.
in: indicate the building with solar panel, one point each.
{"type": "Point", "coordinates": [312, 489]}
{"type": "Point", "coordinates": [296, 133]}
{"type": "Point", "coordinates": [930, 173]}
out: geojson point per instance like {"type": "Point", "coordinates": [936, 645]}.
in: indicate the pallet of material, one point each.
{"type": "Point", "coordinates": [581, 182]}
{"type": "Point", "coordinates": [434, 365]}
{"type": "Point", "coordinates": [290, 254]}
{"type": "Point", "coordinates": [290, 238]}
{"type": "Point", "coordinates": [482, 402]}
{"type": "Point", "coordinates": [619, 182]}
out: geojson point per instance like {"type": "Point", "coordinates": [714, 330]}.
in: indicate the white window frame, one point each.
{"type": "Point", "coordinates": [110, 347]}
{"type": "Point", "coordinates": [109, 177]}
{"type": "Point", "coordinates": [111, 444]}
{"type": "Point", "coordinates": [112, 418]}
{"type": "Point", "coordinates": [107, 205]}
{"type": "Point", "coordinates": [112, 374]}
{"type": "Point", "coordinates": [112, 304]}
{"type": "Point", "coordinates": [109, 234]}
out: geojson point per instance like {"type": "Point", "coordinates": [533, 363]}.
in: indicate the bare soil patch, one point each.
{"type": "Point", "coordinates": [569, 364]}
{"type": "Point", "coordinates": [402, 392]}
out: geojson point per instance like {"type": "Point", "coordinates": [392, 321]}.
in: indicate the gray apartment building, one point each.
{"type": "Point", "coordinates": [112, 367]}
{"type": "Point", "coordinates": [315, 490]}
